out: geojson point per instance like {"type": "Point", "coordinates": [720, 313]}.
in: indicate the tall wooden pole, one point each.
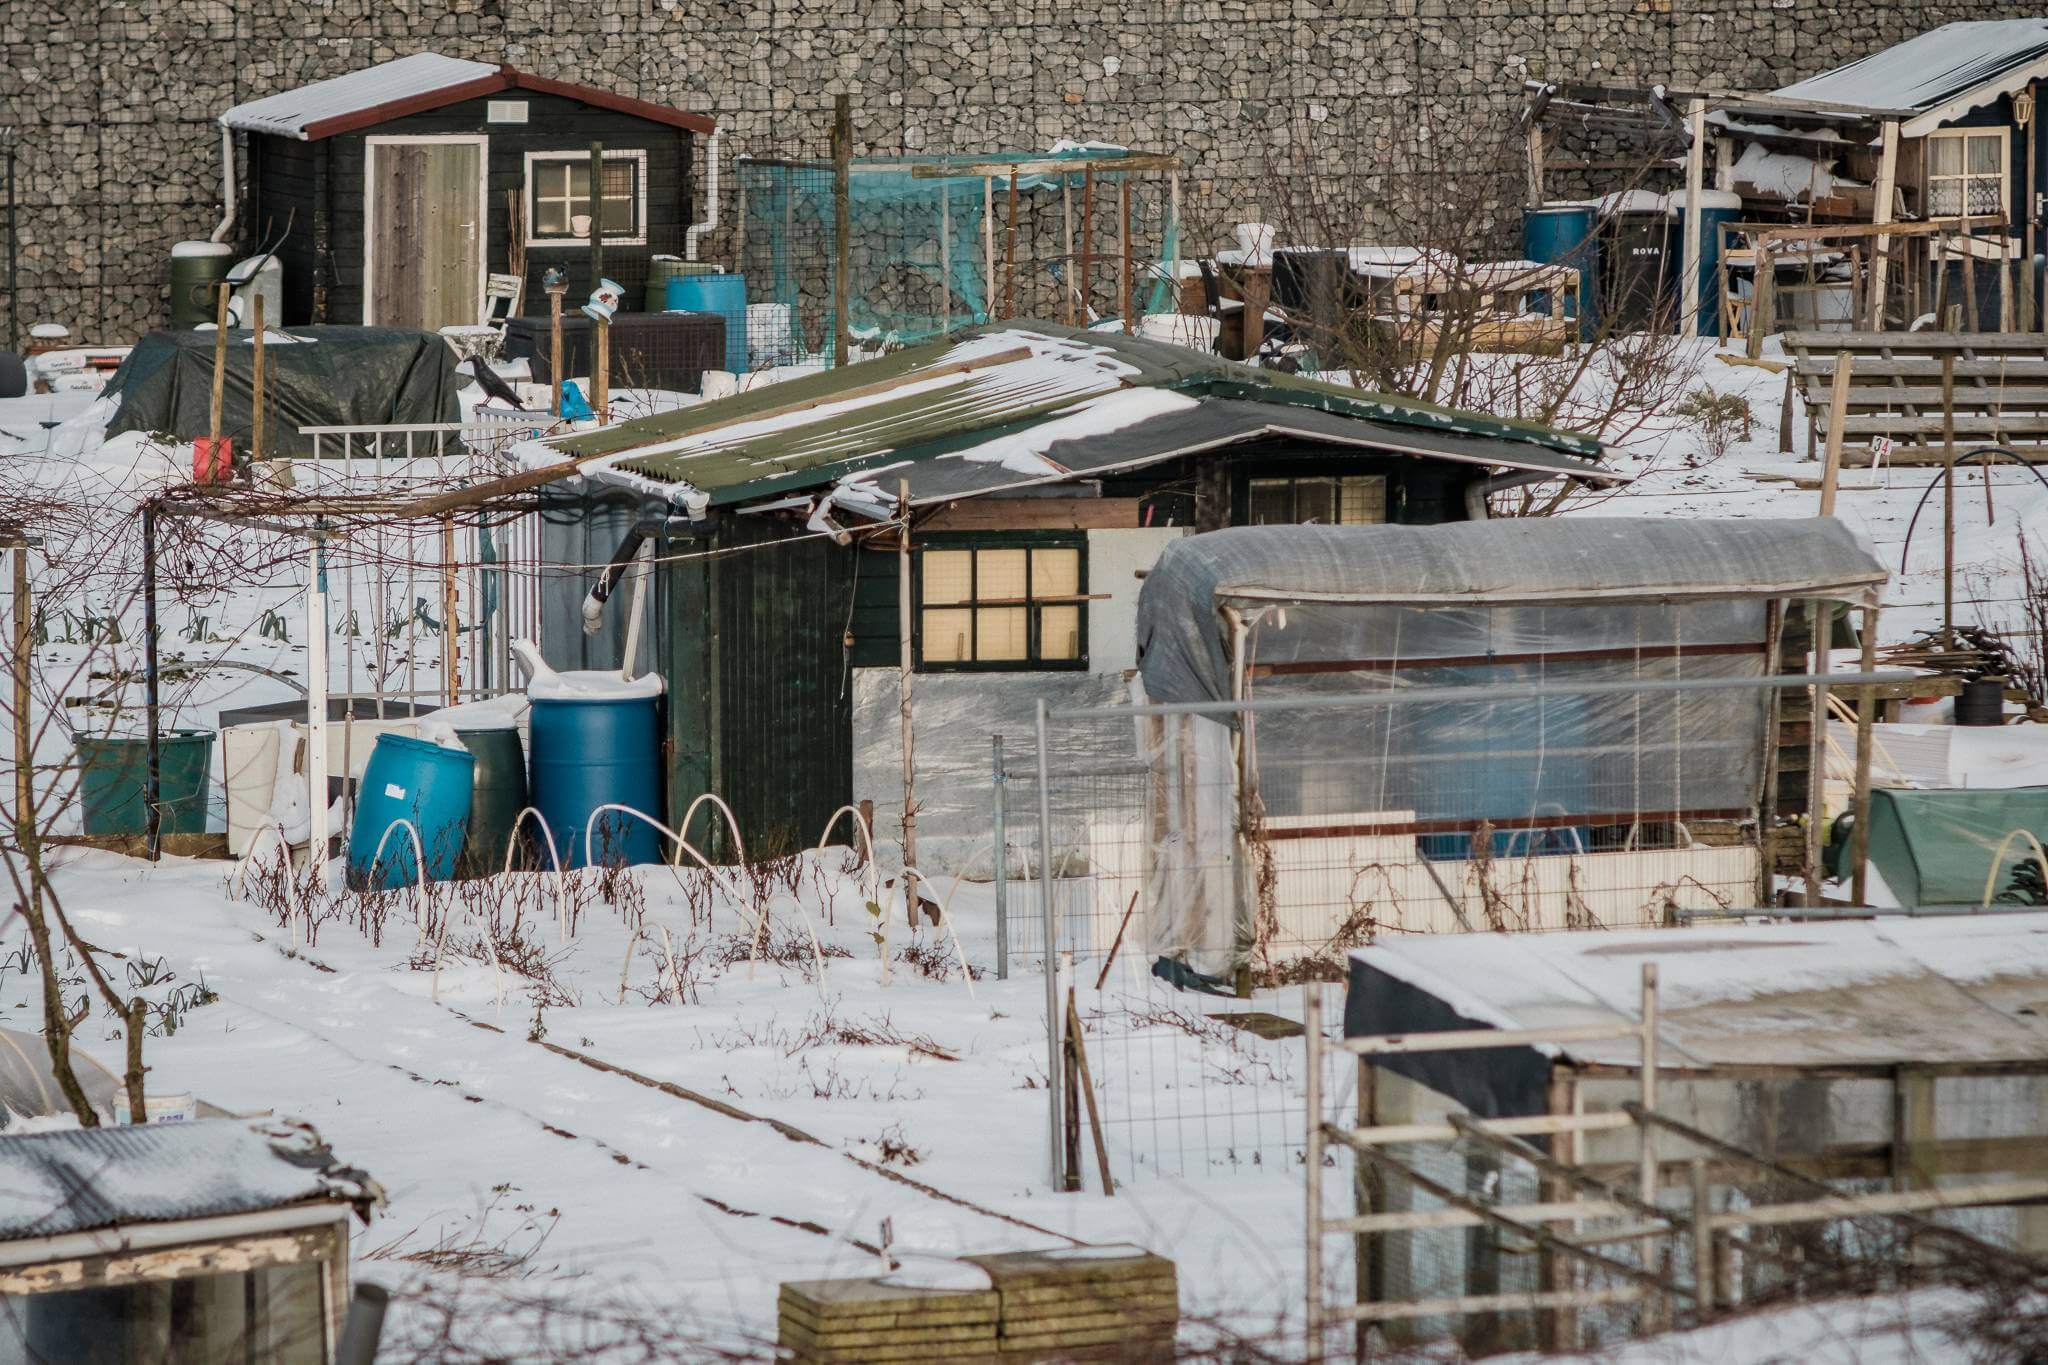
{"type": "Point", "coordinates": [220, 370]}
{"type": "Point", "coordinates": [1087, 241]}
{"type": "Point", "coordinates": [1123, 230]}
{"type": "Point", "coordinates": [152, 783]}
{"type": "Point", "coordinates": [1948, 499]}
{"type": "Point", "coordinates": [596, 214]}
{"type": "Point", "coordinates": [316, 704]}
{"type": "Point", "coordinates": [842, 226]}
{"type": "Point", "coordinates": [1010, 253]}
{"type": "Point", "coordinates": [601, 372]}
{"type": "Point", "coordinates": [1838, 409]}
{"type": "Point", "coordinates": [555, 351]}
{"type": "Point", "coordinates": [1866, 715]}
{"type": "Point", "coordinates": [24, 734]}
{"type": "Point", "coordinates": [905, 660]}
{"type": "Point", "coordinates": [256, 386]}
{"type": "Point", "coordinates": [1067, 246]}
{"type": "Point", "coordinates": [1821, 617]}
{"type": "Point", "coordinates": [1695, 187]}
{"type": "Point", "coordinates": [1881, 213]}
{"type": "Point", "coordinates": [451, 659]}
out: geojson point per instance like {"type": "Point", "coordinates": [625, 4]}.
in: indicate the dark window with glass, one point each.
{"type": "Point", "coordinates": [1003, 606]}
{"type": "Point", "coordinates": [1325, 499]}
{"type": "Point", "coordinates": [560, 197]}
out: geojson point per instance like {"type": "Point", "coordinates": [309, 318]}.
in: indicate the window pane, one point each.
{"type": "Point", "coordinates": [1272, 502]}
{"type": "Point", "coordinates": [1059, 632]}
{"type": "Point", "coordinates": [948, 636]}
{"type": "Point", "coordinates": [1945, 198]}
{"type": "Point", "coordinates": [999, 575]}
{"type": "Point", "coordinates": [1363, 500]}
{"type": "Point", "coordinates": [1944, 156]}
{"type": "Point", "coordinates": [1984, 195]}
{"type": "Point", "coordinates": [618, 217]}
{"type": "Point", "coordinates": [1055, 573]}
{"type": "Point", "coordinates": [999, 634]}
{"type": "Point", "coordinates": [947, 576]}
{"type": "Point", "coordinates": [550, 218]}
{"type": "Point", "coordinates": [1984, 156]}
{"type": "Point", "coordinates": [1315, 500]}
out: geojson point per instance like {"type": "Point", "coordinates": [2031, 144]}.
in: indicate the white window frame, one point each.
{"type": "Point", "coordinates": [1962, 135]}
{"type": "Point", "coordinates": [638, 158]}
{"type": "Point", "coordinates": [481, 233]}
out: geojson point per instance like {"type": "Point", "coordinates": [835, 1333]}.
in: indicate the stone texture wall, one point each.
{"type": "Point", "coordinates": [119, 157]}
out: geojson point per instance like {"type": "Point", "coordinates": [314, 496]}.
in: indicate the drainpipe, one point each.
{"type": "Point", "coordinates": [1479, 490]}
{"type": "Point", "coordinates": [697, 230]}
{"type": "Point", "coordinates": [227, 185]}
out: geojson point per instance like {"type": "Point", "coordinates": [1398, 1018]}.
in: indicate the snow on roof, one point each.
{"type": "Point", "coordinates": [291, 112]}
{"type": "Point", "coordinates": [1954, 988]}
{"type": "Point", "coordinates": [82, 1179]}
{"type": "Point", "coordinates": [1973, 61]}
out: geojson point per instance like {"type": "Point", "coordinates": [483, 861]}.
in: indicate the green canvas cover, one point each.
{"type": "Point", "coordinates": [1935, 847]}
{"type": "Point", "coordinates": [323, 376]}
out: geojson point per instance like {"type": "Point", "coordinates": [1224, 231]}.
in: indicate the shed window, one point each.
{"type": "Point", "coordinates": [1327, 500]}
{"type": "Point", "coordinates": [1966, 173]}
{"type": "Point", "coordinates": [558, 194]}
{"type": "Point", "coordinates": [1003, 605]}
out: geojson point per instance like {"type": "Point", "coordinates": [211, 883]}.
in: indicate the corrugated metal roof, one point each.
{"type": "Point", "coordinates": [1072, 402]}
{"type": "Point", "coordinates": [290, 112]}
{"type": "Point", "coordinates": [1931, 69]}
{"type": "Point", "coordinates": [80, 1179]}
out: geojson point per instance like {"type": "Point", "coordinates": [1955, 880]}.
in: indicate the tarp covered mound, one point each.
{"type": "Point", "coordinates": [1593, 564]}
{"type": "Point", "coordinates": [1935, 847]}
{"type": "Point", "coordinates": [314, 376]}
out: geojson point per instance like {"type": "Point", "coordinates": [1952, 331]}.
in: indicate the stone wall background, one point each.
{"type": "Point", "coordinates": [119, 155]}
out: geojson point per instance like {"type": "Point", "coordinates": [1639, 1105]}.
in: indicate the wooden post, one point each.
{"type": "Point", "coordinates": [1648, 1174]}
{"type": "Point", "coordinates": [988, 246]}
{"type": "Point", "coordinates": [1785, 416]}
{"type": "Point", "coordinates": [1010, 252]}
{"type": "Point", "coordinates": [945, 257]}
{"type": "Point", "coordinates": [1763, 284]}
{"type": "Point", "coordinates": [1124, 264]}
{"type": "Point", "coordinates": [601, 371]}
{"type": "Point", "coordinates": [1084, 1083]}
{"type": "Point", "coordinates": [1881, 213]}
{"type": "Point", "coordinates": [220, 371]}
{"type": "Point", "coordinates": [1702, 1237]}
{"type": "Point", "coordinates": [1972, 315]}
{"type": "Point", "coordinates": [1866, 714]}
{"type": "Point", "coordinates": [1838, 411]}
{"type": "Point", "coordinates": [905, 659]}
{"type": "Point", "coordinates": [451, 660]}
{"type": "Point", "coordinates": [1534, 158]}
{"type": "Point", "coordinates": [316, 704]}
{"type": "Point", "coordinates": [1948, 499]}
{"type": "Point", "coordinates": [256, 386]}
{"type": "Point", "coordinates": [842, 227]}
{"type": "Point", "coordinates": [1067, 246]}
{"type": "Point", "coordinates": [1087, 242]}
{"type": "Point", "coordinates": [596, 213]}
{"type": "Point", "coordinates": [152, 780]}
{"type": "Point", "coordinates": [1817, 752]}
{"type": "Point", "coordinates": [1695, 185]}
{"type": "Point", "coordinates": [24, 733]}
{"type": "Point", "coordinates": [555, 351]}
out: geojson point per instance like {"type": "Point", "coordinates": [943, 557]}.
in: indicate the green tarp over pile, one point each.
{"type": "Point", "coordinates": [325, 376]}
{"type": "Point", "coordinates": [1935, 847]}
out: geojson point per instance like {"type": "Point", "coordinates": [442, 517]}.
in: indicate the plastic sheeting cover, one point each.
{"type": "Point", "coordinates": [329, 376]}
{"type": "Point", "coordinates": [1183, 638]}
{"type": "Point", "coordinates": [1935, 847]}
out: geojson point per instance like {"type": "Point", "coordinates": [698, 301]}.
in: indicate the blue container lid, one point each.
{"type": "Point", "coordinates": [424, 747]}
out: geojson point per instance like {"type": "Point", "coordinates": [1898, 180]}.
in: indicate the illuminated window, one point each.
{"type": "Point", "coordinates": [1002, 606]}
{"type": "Point", "coordinates": [1325, 499]}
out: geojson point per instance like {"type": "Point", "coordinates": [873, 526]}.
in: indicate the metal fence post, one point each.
{"type": "Point", "coordinates": [1312, 1035]}
{"type": "Point", "coordinates": [1052, 957]}
{"type": "Point", "coordinates": [1002, 857]}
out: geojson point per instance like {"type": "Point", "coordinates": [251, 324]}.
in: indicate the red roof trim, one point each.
{"type": "Point", "coordinates": [506, 79]}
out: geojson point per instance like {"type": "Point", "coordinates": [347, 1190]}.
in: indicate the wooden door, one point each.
{"type": "Point", "coordinates": [426, 233]}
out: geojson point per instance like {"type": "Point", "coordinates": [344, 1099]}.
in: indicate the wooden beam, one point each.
{"type": "Point", "coordinates": [1695, 184]}
{"type": "Point", "coordinates": [1036, 514]}
{"type": "Point", "coordinates": [1881, 215]}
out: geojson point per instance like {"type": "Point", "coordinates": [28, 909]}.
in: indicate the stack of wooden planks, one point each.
{"type": "Point", "coordinates": [1116, 1303]}
{"type": "Point", "coordinates": [1895, 391]}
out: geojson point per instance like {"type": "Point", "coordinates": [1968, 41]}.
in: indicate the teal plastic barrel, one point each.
{"type": "Point", "coordinates": [1562, 234]}
{"type": "Point", "coordinates": [725, 295]}
{"type": "Point", "coordinates": [1716, 207]}
{"type": "Point", "coordinates": [662, 269]}
{"type": "Point", "coordinates": [592, 748]}
{"type": "Point", "coordinates": [196, 268]}
{"type": "Point", "coordinates": [424, 784]}
{"type": "Point", "coordinates": [113, 778]}
{"type": "Point", "coordinates": [497, 795]}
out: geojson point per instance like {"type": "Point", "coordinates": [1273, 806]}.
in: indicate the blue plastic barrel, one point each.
{"type": "Point", "coordinates": [595, 750]}
{"type": "Point", "coordinates": [1562, 234]}
{"type": "Point", "coordinates": [1712, 215]}
{"type": "Point", "coordinates": [428, 786]}
{"type": "Point", "coordinates": [725, 295]}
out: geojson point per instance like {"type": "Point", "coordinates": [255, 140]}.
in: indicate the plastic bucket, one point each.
{"type": "Point", "coordinates": [725, 295]}
{"type": "Point", "coordinates": [113, 775]}
{"type": "Point", "coordinates": [1981, 702]}
{"type": "Point", "coordinates": [420, 783]}
{"type": "Point", "coordinates": [196, 269]}
{"type": "Point", "coordinates": [594, 752]}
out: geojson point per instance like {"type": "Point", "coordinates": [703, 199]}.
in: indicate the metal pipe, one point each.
{"type": "Point", "coordinates": [1686, 918]}
{"type": "Point", "coordinates": [227, 185]}
{"type": "Point", "coordinates": [152, 787]}
{"type": "Point", "coordinates": [364, 1329]}
{"type": "Point", "coordinates": [124, 1238]}
{"type": "Point", "coordinates": [710, 219]}
{"type": "Point", "coordinates": [1052, 969]}
{"type": "Point", "coordinates": [1002, 854]}
{"type": "Point", "coordinates": [1413, 696]}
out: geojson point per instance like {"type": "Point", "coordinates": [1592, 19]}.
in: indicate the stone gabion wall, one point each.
{"type": "Point", "coordinates": [113, 103]}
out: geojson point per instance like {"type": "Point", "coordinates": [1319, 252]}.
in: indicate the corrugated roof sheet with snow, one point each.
{"type": "Point", "coordinates": [83, 1179]}
{"type": "Point", "coordinates": [1933, 69]}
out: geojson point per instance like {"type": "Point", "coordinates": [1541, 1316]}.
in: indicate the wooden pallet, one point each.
{"type": "Point", "coordinates": [2001, 391]}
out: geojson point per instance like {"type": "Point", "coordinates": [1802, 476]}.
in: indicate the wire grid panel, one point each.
{"type": "Point", "coordinates": [1195, 858]}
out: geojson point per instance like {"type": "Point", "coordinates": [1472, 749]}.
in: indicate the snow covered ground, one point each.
{"type": "Point", "coordinates": [677, 1155]}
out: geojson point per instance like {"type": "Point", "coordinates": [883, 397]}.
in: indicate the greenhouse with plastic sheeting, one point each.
{"type": "Point", "coordinates": [1526, 724]}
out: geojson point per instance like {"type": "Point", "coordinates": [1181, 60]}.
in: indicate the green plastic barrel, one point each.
{"type": "Point", "coordinates": [496, 799]}
{"type": "Point", "coordinates": [196, 268]}
{"type": "Point", "coordinates": [661, 269]}
{"type": "Point", "coordinates": [113, 776]}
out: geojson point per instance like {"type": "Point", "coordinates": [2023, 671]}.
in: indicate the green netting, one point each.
{"type": "Point", "coordinates": [929, 255]}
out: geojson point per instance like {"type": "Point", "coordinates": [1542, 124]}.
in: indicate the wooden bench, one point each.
{"type": "Point", "coordinates": [2001, 391]}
